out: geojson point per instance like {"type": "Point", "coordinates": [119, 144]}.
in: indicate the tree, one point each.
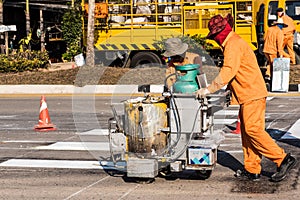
{"type": "Point", "coordinates": [27, 21]}
{"type": "Point", "coordinates": [1, 12]}
{"type": "Point", "coordinates": [43, 48]}
{"type": "Point", "coordinates": [1, 23]}
{"type": "Point", "coordinates": [90, 54]}
{"type": "Point", "coordinates": [72, 31]}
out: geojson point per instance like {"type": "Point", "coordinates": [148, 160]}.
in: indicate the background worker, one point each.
{"type": "Point", "coordinates": [241, 71]}
{"type": "Point", "coordinates": [288, 33]}
{"type": "Point", "coordinates": [273, 45]}
{"type": "Point", "coordinates": [177, 54]}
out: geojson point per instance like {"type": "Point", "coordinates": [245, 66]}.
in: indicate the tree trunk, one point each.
{"type": "Point", "coordinates": [27, 21]}
{"type": "Point", "coordinates": [2, 47]}
{"type": "Point", "coordinates": [90, 54]}
{"type": "Point", "coordinates": [42, 30]}
{"type": "Point", "coordinates": [1, 12]}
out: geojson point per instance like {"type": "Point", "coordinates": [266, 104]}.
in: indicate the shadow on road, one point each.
{"type": "Point", "coordinates": [277, 135]}
{"type": "Point", "coordinates": [227, 160]}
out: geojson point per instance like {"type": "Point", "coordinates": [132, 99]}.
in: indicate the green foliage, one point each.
{"type": "Point", "coordinates": [72, 31]}
{"type": "Point", "coordinates": [24, 61]}
{"type": "Point", "coordinates": [197, 43]}
{"type": "Point", "coordinates": [202, 42]}
{"type": "Point", "coordinates": [24, 42]}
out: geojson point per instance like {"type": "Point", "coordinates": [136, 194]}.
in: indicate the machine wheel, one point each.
{"type": "Point", "coordinates": [203, 174]}
{"type": "Point", "coordinates": [166, 172]}
{"type": "Point", "coordinates": [138, 180]}
{"type": "Point", "coordinates": [145, 59]}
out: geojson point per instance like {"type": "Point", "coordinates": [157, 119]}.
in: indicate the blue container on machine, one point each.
{"type": "Point", "coordinates": [186, 80]}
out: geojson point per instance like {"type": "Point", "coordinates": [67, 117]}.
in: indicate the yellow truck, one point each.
{"type": "Point", "coordinates": [265, 11]}
{"type": "Point", "coordinates": [127, 31]}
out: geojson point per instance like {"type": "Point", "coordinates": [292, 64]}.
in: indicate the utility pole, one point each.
{"type": "Point", "coordinates": [90, 53]}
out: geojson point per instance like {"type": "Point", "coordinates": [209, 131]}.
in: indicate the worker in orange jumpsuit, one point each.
{"type": "Point", "coordinates": [273, 45]}
{"type": "Point", "coordinates": [241, 71]}
{"type": "Point", "coordinates": [176, 54]}
{"type": "Point", "coordinates": [288, 32]}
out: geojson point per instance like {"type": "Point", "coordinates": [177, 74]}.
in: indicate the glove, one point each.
{"type": "Point", "coordinates": [202, 93]}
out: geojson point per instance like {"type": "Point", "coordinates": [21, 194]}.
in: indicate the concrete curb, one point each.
{"type": "Point", "coordinates": [90, 89]}
{"type": "Point", "coordinates": [70, 89]}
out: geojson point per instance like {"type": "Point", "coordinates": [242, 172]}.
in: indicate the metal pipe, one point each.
{"type": "Point", "coordinates": [140, 122]}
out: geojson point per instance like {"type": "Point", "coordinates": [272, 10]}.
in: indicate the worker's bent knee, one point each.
{"type": "Point", "coordinates": [253, 130]}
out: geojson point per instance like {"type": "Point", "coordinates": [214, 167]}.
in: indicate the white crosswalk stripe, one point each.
{"type": "Point", "coordinates": [225, 117]}
{"type": "Point", "coordinates": [76, 146]}
{"type": "Point", "coordinates": [96, 132]}
{"type": "Point", "coordinates": [71, 164]}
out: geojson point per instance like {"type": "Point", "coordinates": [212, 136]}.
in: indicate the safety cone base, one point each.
{"type": "Point", "coordinates": [237, 129]}
{"type": "Point", "coordinates": [46, 127]}
{"type": "Point", "coordinates": [236, 132]}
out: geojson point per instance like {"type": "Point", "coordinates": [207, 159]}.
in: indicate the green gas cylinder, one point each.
{"type": "Point", "coordinates": [186, 80]}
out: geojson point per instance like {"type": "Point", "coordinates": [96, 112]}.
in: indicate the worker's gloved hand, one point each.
{"type": "Point", "coordinates": [202, 93]}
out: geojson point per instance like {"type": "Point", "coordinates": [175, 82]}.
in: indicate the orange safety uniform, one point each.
{"type": "Point", "coordinates": [241, 71]}
{"type": "Point", "coordinates": [190, 58]}
{"type": "Point", "coordinates": [273, 46]}
{"type": "Point", "coordinates": [288, 41]}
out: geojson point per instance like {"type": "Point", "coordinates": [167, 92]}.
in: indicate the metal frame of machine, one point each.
{"type": "Point", "coordinates": [168, 133]}
{"type": "Point", "coordinates": [190, 141]}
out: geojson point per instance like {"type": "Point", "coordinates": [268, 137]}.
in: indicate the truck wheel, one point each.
{"type": "Point", "coordinates": [145, 59]}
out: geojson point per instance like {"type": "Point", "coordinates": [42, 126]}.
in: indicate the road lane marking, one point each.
{"type": "Point", "coordinates": [28, 141]}
{"type": "Point", "coordinates": [293, 132]}
{"type": "Point", "coordinates": [231, 152]}
{"type": "Point", "coordinates": [87, 187]}
{"type": "Point", "coordinates": [95, 132]}
{"type": "Point", "coordinates": [63, 164]}
{"type": "Point", "coordinates": [224, 121]}
{"type": "Point", "coordinates": [7, 116]}
{"type": "Point", "coordinates": [76, 146]}
{"type": "Point", "coordinates": [227, 112]}
{"type": "Point", "coordinates": [68, 164]}
{"type": "Point", "coordinates": [130, 190]}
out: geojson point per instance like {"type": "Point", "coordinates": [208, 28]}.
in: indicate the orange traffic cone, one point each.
{"type": "Point", "coordinates": [44, 120]}
{"type": "Point", "coordinates": [238, 127]}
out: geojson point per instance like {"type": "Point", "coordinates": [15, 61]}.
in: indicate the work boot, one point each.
{"type": "Point", "coordinates": [287, 164]}
{"type": "Point", "coordinates": [245, 175]}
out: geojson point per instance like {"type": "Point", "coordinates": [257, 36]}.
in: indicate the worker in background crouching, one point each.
{"type": "Point", "coordinates": [241, 71]}
{"type": "Point", "coordinates": [176, 54]}
{"type": "Point", "coordinates": [288, 33]}
{"type": "Point", "coordinates": [273, 45]}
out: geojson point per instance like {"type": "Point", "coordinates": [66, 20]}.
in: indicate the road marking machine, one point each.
{"type": "Point", "coordinates": [168, 133]}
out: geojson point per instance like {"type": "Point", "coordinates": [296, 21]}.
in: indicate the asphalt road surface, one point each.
{"type": "Point", "coordinates": [65, 164]}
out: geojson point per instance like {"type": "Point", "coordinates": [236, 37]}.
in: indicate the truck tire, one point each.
{"type": "Point", "coordinates": [145, 59]}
